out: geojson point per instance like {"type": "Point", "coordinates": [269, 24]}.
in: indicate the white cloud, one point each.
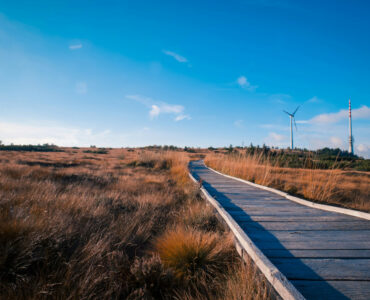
{"type": "Point", "coordinates": [275, 127]}
{"type": "Point", "coordinates": [362, 147]}
{"type": "Point", "coordinates": [159, 107]}
{"type": "Point", "coordinates": [275, 139]}
{"type": "Point", "coordinates": [81, 87]}
{"type": "Point", "coordinates": [155, 111]}
{"type": "Point", "coordinates": [75, 46]}
{"type": "Point", "coordinates": [141, 99]}
{"type": "Point", "coordinates": [182, 117]}
{"type": "Point", "coordinates": [171, 109]}
{"type": "Point", "coordinates": [359, 113]}
{"type": "Point", "coordinates": [363, 150]}
{"type": "Point", "coordinates": [336, 142]}
{"type": "Point", "coordinates": [176, 56]}
{"type": "Point", "coordinates": [164, 108]}
{"type": "Point", "coordinates": [22, 133]}
{"type": "Point", "coordinates": [244, 83]}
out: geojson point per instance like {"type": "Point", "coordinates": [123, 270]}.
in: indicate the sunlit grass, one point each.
{"type": "Point", "coordinates": [76, 226]}
{"type": "Point", "coordinates": [345, 188]}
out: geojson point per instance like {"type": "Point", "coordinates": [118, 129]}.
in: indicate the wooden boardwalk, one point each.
{"type": "Point", "coordinates": [325, 255]}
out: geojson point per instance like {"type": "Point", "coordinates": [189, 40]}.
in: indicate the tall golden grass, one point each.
{"type": "Point", "coordinates": [349, 189]}
{"type": "Point", "coordinates": [77, 225]}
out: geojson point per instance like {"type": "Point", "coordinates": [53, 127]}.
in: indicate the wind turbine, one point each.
{"type": "Point", "coordinates": [291, 116]}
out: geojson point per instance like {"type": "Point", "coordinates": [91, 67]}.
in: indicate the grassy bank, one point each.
{"type": "Point", "coordinates": [114, 225]}
{"type": "Point", "coordinates": [350, 189]}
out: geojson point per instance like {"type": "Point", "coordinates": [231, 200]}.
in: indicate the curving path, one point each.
{"type": "Point", "coordinates": [325, 255]}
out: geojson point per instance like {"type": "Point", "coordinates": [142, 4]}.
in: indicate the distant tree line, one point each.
{"type": "Point", "coordinates": [325, 158]}
{"type": "Point", "coordinates": [32, 148]}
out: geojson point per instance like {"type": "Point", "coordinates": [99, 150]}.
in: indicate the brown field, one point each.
{"type": "Point", "coordinates": [121, 225]}
{"type": "Point", "coordinates": [350, 189]}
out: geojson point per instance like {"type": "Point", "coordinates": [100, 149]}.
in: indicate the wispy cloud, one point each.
{"type": "Point", "coordinates": [279, 98]}
{"type": "Point", "coordinates": [141, 99]}
{"type": "Point", "coordinates": [244, 83]}
{"type": "Point", "coordinates": [176, 56]}
{"type": "Point", "coordinates": [359, 113]}
{"type": "Point", "coordinates": [314, 99]}
{"type": "Point", "coordinates": [182, 117]}
{"type": "Point", "coordinates": [239, 123]}
{"type": "Point", "coordinates": [363, 150]}
{"type": "Point", "coordinates": [157, 108]}
{"type": "Point", "coordinates": [274, 127]}
{"type": "Point", "coordinates": [275, 139]}
{"type": "Point", "coordinates": [336, 142]}
{"type": "Point", "coordinates": [164, 108]}
{"type": "Point", "coordinates": [81, 87]}
{"type": "Point", "coordinates": [75, 46]}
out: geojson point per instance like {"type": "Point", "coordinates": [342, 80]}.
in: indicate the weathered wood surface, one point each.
{"type": "Point", "coordinates": [326, 255]}
{"type": "Point", "coordinates": [323, 290]}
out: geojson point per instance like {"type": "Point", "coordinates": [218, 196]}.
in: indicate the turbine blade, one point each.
{"type": "Point", "coordinates": [287, 113]}
{"type": "Point", "coordinates": [296, 110]}
{"type": "Point", "coordinates": [295, 125]}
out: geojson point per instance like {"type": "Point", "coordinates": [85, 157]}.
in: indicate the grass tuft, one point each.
{"type": "Point", "coordinates": [194, 255]}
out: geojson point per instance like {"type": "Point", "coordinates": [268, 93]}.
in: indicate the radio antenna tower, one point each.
{"type": "Point", "coordinates": [350, 129]}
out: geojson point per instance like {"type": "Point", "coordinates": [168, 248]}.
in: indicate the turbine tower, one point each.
{"type": "Point", "coordinates": [291, 116]}
{"type": "Point", "coordinates": [350, 129]}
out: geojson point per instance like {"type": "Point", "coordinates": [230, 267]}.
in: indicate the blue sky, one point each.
{"type": "Point", "coordinates": [190, 73]}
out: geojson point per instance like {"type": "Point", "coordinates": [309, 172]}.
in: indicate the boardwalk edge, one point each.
{"type": "Point", "coordinates": [345, 211]}
{"type": "Point", "coordinates": [280, 283]}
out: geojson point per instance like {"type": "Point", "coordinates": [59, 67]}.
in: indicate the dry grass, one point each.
{"type": "Point", "coordinates": [200, 216]}
{"type": "Point", "coordinates": [194, 255]}
{"type": "Point", "coordinates": [349, 189]}
{"type": "Point", "coordinates": [76, 225]}
{"type": "Point", "coordinates": [237, 289]}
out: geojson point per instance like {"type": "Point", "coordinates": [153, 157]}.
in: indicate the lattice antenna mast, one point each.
{"type": "Point", "coordinates": [350, 150]}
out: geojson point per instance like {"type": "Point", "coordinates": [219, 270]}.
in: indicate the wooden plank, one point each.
{"type": "Point", "coordinates": [277, 210]}
{"type": "Point", "coordinates": [251, 202]}
{"type": "Point", "coordinates": [318, 225]}
{"type": "Point", "coordinates": [311, 244]}
{"type": "Point", "coordinates": [333, 290]}
{"type": "Point", "coordinates": [227, 203]}
{"type": "Point", "coordinates": [238, 211]}
{"type": "Point", "coordinates": [241, 216]}
{"type": "Point", "coordinates": [323, 269]}
{"type": "Point", "coordinates": [257, 203]}
{"type": "Point", "coordinates": [315, 253]}
{"type": "Point", "coordinates": [323, 236]}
